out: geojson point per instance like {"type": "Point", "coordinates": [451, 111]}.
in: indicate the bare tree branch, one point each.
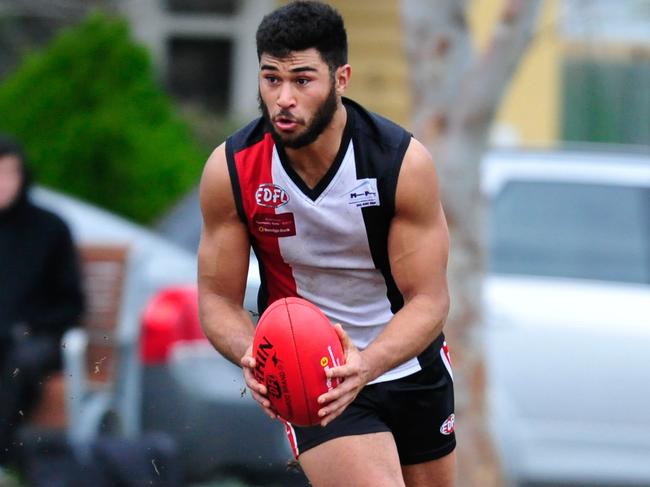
{"type": "Point", "coordinates": [497, 63]}
{"type": "Point", "coordinates": [456, 94]}
{"type": "Point", "coordinates": [435, 30]}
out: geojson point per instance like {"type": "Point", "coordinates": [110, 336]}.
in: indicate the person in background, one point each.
{"type": "Point", "coordinates": [40, 294]}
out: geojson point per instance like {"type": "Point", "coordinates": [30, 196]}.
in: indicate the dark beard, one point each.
{"type": "Point", "coordinates": [319, 123]}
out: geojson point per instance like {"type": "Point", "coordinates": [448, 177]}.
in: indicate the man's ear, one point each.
{"type": "Point", "coordinates": [342, 78]}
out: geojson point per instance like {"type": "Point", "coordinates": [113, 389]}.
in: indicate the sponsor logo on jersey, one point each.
{"type": "Point", "coordinates": [271, 196]}
{"type": "Point", "coordinates": [447, 427]}
{"type": "Point", "coordinates": [364, 193]}
{"type": "Point", "coordinates": [280, 225]}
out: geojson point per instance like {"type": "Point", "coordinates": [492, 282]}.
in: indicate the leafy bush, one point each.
{"type": "Point", "coordinates": [96, 124]}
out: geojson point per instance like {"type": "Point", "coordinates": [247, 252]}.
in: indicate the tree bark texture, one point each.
{"type": "Point", "coordinates": [456, 94]}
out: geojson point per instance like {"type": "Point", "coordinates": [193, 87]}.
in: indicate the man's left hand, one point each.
{"type": "Point", "coordinates": [354, 375]}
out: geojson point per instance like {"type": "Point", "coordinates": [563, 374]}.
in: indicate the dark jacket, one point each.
{"type": "Point", "coordinates": [40, 283]}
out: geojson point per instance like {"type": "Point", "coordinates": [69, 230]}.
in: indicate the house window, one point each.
{"type": "Point", "coordinates": [221, 7]}
{"type": "Point", "coordinates": [199, 71]}
{"type": "Point", "coordinates": [606, 87]}
{"type": "Point", "coordinates": [606, 100]}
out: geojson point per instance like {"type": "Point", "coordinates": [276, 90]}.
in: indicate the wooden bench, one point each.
{"type": "Point", "coordinates": [104, 273]}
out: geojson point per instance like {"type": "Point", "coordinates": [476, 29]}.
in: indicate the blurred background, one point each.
{"type": "Point", "coordinates": [538, 117]}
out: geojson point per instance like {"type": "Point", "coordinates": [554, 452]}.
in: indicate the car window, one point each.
{"type": "Point", "coordinates": [584, 231]}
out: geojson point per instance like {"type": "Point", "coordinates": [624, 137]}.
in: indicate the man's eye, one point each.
{"type": "Point", "coordinates": [271, 79]}
{"type": "Point", "coordinates": [302, 81]}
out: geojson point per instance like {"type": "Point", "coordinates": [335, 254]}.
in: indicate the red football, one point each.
{"type": "Point", "coordinates": [294, 343]}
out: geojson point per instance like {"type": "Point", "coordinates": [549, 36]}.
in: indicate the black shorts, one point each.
{"type": "Point", "coordinates": [418, 410]}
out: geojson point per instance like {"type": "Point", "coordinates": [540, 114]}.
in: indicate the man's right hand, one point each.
{"type": "Point", "coordinates": [258, 391]}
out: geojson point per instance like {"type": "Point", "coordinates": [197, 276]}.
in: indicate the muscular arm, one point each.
{"type": "Point", "coordinates": [418, 247]}
{"type": "Point", "coordinates": [223, 263]}
{"type": "Point", "coordinates": [224, 252]}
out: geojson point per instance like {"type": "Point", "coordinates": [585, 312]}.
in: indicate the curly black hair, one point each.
{"type": "Point", "coordinates": [303, 25]}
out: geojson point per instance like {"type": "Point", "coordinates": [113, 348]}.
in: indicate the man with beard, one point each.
{"type": "Point", "coordinates": [342, 208]}
{"type": "Point", "coordinates": [40, 294]}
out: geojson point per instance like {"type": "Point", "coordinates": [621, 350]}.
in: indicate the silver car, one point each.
{"type": "Point", "coordinates": [567, 310]}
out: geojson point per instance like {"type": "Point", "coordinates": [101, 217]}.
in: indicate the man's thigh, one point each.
{"type": "Point", "coordinates": [435, 473]}
{"type": "Point", "coordinates": [358, 460]}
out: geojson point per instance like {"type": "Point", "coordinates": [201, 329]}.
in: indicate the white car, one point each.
{"type": "Point", "coordinates": [567, 313]}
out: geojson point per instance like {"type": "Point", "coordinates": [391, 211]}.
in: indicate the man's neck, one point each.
{"type": "Point", "coordinates": [313, 161]}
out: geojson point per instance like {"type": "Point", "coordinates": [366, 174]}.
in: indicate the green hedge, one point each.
{"type": "Point", "coordinates": [96, 124]}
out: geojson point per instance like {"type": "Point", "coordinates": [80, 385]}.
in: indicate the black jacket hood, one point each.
{"type": "Point", "coordinates": [10, 147]}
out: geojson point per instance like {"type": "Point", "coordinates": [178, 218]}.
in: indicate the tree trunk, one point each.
{"type": "Point", "coordinates": [456, 93]}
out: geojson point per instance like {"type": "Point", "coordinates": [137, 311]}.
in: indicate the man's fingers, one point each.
{"type": "Point", "coordinates": [264, 402]}
{"type": "Point", "coordinates": [342, 371]}
{"type": "Point", "coordinates": [248, 361]}
{"type": "Point", "coordinates": [334, 409]}
{"type": "Point", "coordinates": [345, 339]}
{"type": "Point", "coordinates": [331, 417]}
{"type": "Point", "coordinates": [338, 392]}
{"type": "Point", "coordinates": [259, 398]}
{"type": "Point", "coordinates": [257, 387]}
{"type": "Point", "coordinates": [332, 395]}
{"type": "Point", "coordinates": [258, 392]}
{"type": "Point", "coordinates": [252, 384]}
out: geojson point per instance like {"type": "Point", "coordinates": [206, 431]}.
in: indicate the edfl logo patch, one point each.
{"type": "Point", "coordinates": [271, 196]}
{"type": "Point", "coordinates": [448, 426]}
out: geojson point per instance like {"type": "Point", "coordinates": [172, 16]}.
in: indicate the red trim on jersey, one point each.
{"type": "Point", "coordinates": [254, 169]}
{"type": "Point", "coordinates": [445, 349]}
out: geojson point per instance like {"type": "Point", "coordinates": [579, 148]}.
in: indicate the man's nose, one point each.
{"type": "Point", "coordinates": [285, 96]}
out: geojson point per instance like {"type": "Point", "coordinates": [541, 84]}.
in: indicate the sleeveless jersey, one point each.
{"type": "Point", "coordinates": [327, 244]}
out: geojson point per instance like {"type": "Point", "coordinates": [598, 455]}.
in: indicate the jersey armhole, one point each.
{"type": "Point", "coordinates": [396, 169]}
{"type": "Point", "coordinates": [234, 181]}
